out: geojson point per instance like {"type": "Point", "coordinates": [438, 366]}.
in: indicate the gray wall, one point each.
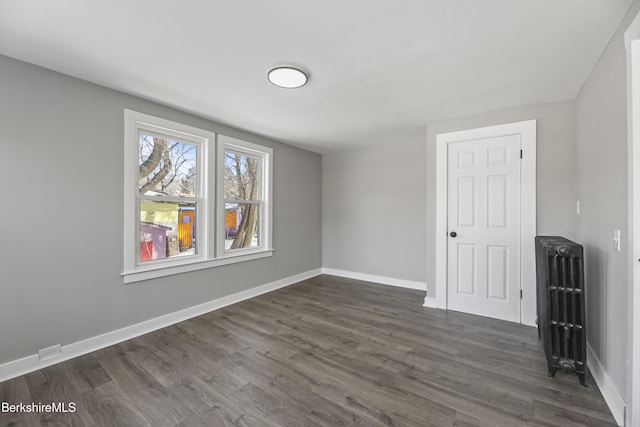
{"type": "Point", "coordinates": [62, 211]}
{"type": "Point", "coordinates": [556, 168]}
{"type": "Point", "coordinates": [379, 204]}
{"type": "Point", "coordinates": [601, 112]}
{"type": "Point", "coordinates": [374, 211]}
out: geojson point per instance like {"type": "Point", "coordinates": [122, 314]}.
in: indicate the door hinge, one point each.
{"type": "Point", "coordinates": [520, 153]}
{"type": "Point", "coordinates": [520, 293]}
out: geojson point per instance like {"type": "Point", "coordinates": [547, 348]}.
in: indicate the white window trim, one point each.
{"type": "Point", "coordinates": [210, 190]}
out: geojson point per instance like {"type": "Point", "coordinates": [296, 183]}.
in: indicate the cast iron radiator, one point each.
{"type": "Point", "coordinates": [561, 304]}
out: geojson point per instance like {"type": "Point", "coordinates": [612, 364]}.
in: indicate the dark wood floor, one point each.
{"type": "Point", "coordinates": [324, 352]}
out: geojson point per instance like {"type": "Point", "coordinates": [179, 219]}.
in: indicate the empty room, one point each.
{"type": "Point", "coordinates": [356, 213]}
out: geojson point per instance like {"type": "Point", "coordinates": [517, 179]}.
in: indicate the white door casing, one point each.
{"type": "Point", "coordinates": [632, 45]}
{"type": "Point", "coordinates": [484, 227]}
{"type": "Point", "coordinates": [527, 280]}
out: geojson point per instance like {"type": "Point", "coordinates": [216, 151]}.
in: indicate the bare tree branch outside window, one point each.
{"type": "Point", "coordinates": [242, 184]}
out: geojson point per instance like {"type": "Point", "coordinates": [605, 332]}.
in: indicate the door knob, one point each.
{"type": "Point", "coordinates": [453, 234]}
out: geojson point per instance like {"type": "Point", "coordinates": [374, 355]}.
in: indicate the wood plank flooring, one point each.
{"type": "Point", "coordinates": [324, 352]}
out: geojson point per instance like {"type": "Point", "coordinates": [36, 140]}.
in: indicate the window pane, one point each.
{"type": "Point", "coordinates": [167, 230]}
{"type": "Point", "coordinates": [166, 167]}
{"type": "Point", "coordinates": [241, 176]}
{"type": "Point", "coordinates": [241, 225]}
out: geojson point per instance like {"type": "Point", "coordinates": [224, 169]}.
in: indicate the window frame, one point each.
{"type": "Point", "coordinates": [266, 178]}
{"type": "Point", "coordinates": [200, 200]}
{"type": "Point", "coordinates": [209, 199]}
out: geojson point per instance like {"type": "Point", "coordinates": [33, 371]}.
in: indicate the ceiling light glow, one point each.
{"type": "Point", "coordinates": [287, 77]}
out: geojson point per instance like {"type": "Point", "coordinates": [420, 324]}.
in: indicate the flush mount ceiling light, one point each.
{"type": "Point", "coordinates": [287, 77]}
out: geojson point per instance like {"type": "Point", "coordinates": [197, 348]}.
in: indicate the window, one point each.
{"type": "Point", "coordinates": [175, 179]}
{"type": "Point", "coordinates": [244, 188]}
{"type": "Point", "coordinates": [169, 195]}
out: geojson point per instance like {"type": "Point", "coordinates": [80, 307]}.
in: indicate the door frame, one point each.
{"type": "Point", "coordinates": [527, 131]}
{"type": "Point", "coordinates": [632, 46]}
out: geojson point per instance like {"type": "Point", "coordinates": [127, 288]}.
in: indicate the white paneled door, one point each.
{"type": "Point", "coordinates": [483, 222]}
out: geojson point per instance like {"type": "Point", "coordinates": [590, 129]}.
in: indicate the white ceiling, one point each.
{"type": "Point", "coordinates": [380, 70]}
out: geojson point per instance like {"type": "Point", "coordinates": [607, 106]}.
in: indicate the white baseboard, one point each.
{"type": "Point", "coordinates": [31, 363]}
{"type": "Point", "coordinates": [409, 284]}
{"type": "Point", "coordinates": [614, 399]}
{"type": "Point", "coordinates": [430, 302]}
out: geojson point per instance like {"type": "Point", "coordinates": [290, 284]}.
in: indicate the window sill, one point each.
{"type": "Point", "coordinates": [153, 272]}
